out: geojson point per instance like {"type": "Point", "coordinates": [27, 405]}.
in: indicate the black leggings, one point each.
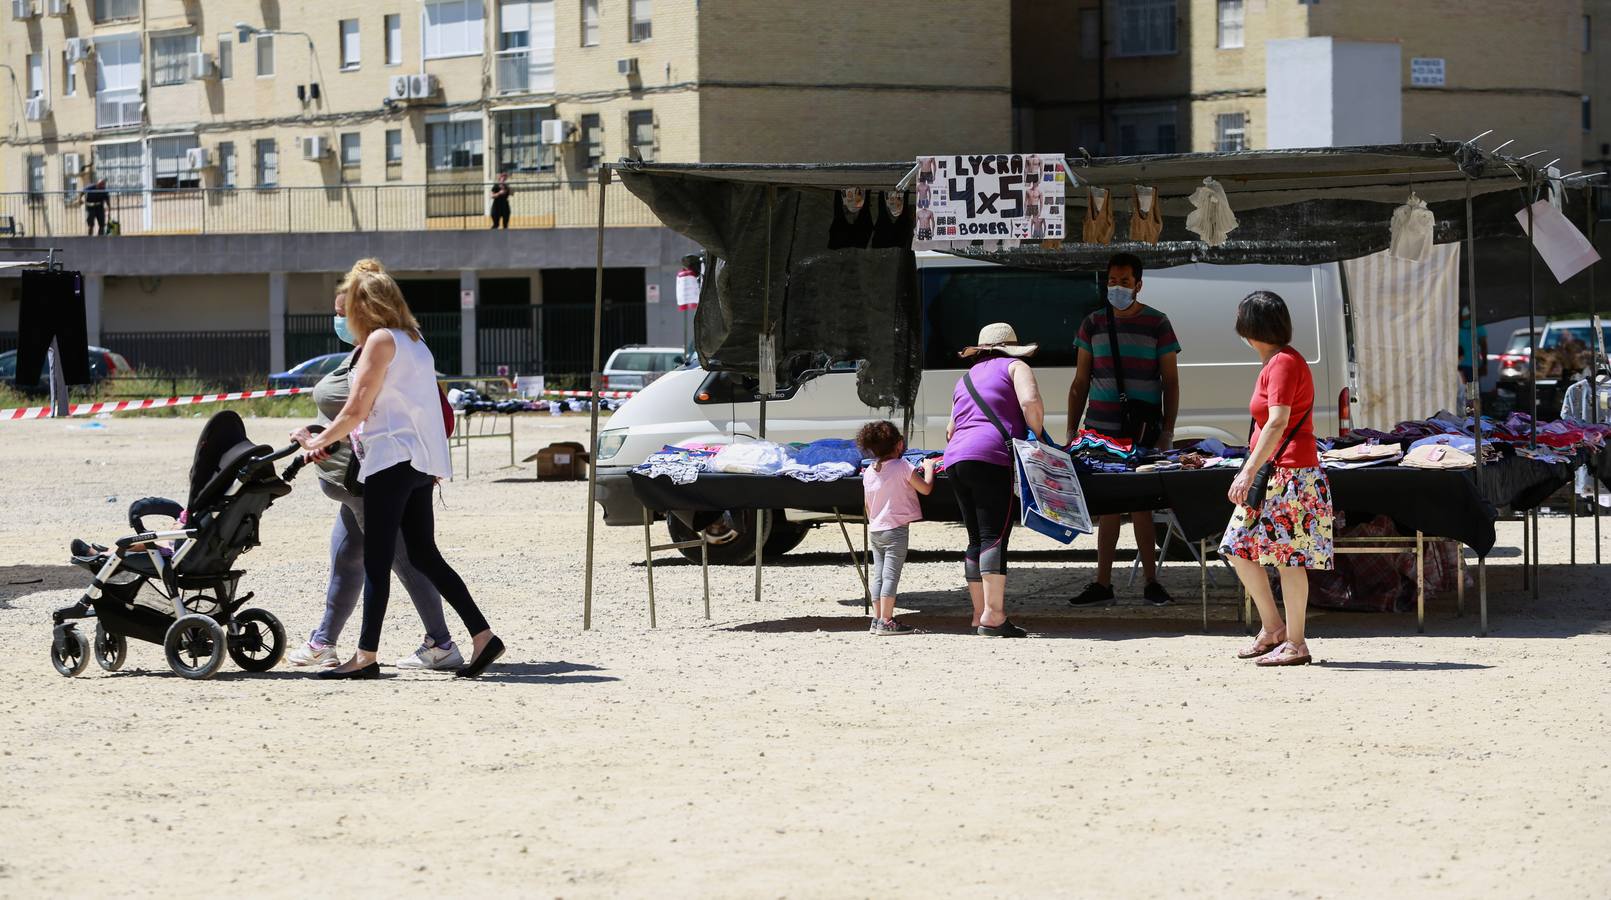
{"type": "Point", "coordinates": [984, 494]}
{"type": "Point", "coordinates": [399, 499]}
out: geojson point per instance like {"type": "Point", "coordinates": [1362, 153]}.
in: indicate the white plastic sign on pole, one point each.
{"type": "Point", "coordinates": [995, 197]}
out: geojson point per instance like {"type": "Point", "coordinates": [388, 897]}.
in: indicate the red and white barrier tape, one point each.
{"type": "Point", "coordinates": [90, 409]}
{"type": "Point", "coordinates": [613, 395]}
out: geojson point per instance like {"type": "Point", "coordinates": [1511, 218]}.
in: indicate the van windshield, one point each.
{"type": "Point", "coordinates": [1044, 308]}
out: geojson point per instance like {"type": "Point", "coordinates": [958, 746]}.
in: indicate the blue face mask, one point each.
{"type": "Point", "coordinates": [1120, 298]}
{"type": "Point", "coordinates": [344, 332]}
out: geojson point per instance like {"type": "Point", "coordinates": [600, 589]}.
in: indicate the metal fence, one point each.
{"type": "Point", "coordinates": [309, 334]}
{"type": "Point", "coordinates": [332, 208]}
{"type": "Point", "coordinates": [212, 355]}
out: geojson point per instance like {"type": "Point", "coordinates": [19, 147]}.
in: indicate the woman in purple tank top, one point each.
{"type": "Point", "coordinates": [995, 401]}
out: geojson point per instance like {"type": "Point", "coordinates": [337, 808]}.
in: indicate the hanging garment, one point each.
{"type": "Point", "coordinates": [1411, 229]}
{"type": "Point", "coordinates": [52, 308]}
{"type": "Point", "coordinates": [1146, 216]}
{"type": "Point", "coordinates": [1211, 218]}
{"type": "Point", "coordinates": [895, 221]}
{"type": "Point", "coordinates": [852, 222]}
{"type": "Point", "coordinates": [1098, 226]}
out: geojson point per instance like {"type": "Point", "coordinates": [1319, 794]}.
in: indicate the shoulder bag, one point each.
{"type": "Point", "coordinates": [1261, 480]}
{"type": "Point", "coordinates": [1139, 420]}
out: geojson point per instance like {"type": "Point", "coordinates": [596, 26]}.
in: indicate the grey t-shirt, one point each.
{"type": "Point", "coordinates": [330, 395]}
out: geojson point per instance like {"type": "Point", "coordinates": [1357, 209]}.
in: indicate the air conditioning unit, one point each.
{"type": "Point", "coordinates": [315, 147]}
{"type": "Point", "coordinates": [198, 158]}
{"type": "Point", "coordinates": [38, 109]}
{"type": "Point", "coordinates": [57, 8]}
{"type": "Point", "coordinates": [397, 88]}
{"type": "Point", "coordinates": [79, 49]}
{"type": "Point", "coordinates": [23, 9]}
{"type": "Point", "coordinates": [627, 66]}
{"type": "Point", "coordinates": [558, 131]}
{"type": "Point", "coordinates": [421, 86]}
{"type": "Point", "coordinates": [202, 67]}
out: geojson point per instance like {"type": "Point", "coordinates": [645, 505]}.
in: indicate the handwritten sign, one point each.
{"type": "Point", "coordinates": [993, 197]}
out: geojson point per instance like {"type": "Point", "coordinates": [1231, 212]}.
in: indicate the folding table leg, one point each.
{"type": "Point", "coordinates": [1482, 592]}
{"type": "Point", "coordinates": [1420, 583]}
{"type": "Point", "coordinates": [760, 542]}
{"type": "Point", "coordinates": [648, 559]}
{"type": "Point", "coordinates": [860, 564]}
{"type": "Point", "coordinates": [1527, 549]}
{"type": "Point", "coordinates": [1247, 611]}
{"type": "Point", "coordinates": [704, 569]}
{"type": "Point", "coordinates": [1202, 578]}
{"type": "Point", "coordinates": [1459, 579]}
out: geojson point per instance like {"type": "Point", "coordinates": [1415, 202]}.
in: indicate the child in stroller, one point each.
{"type": "Point", "coordinates": [196, 616]}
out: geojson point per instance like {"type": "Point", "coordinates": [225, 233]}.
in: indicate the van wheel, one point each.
{"type": "Point", "coordinates": [785, 535]}
{"type": "Point", "coordinates": [732, 537]}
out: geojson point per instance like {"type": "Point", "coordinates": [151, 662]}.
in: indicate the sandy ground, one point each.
{"type": "Point", "coordinates": [778, 750]}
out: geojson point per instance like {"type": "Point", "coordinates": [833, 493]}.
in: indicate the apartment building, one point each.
{"type": "Point", "coordinates": [253, 149]}
{"type": "Point", "coordinates": [1153, 76]}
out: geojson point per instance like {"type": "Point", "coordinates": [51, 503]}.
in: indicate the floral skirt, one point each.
{"type": "Point", "coordinates": [1293, 529]}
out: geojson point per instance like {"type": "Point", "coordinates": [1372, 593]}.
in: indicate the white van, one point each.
{"type": "Point", "coordinates": [959, 296]}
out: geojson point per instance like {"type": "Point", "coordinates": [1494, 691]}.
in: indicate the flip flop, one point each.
{"type": "Point", "coordinates": [1284, 655]}
{"type": "Point", "coordinates": [1256, 649]}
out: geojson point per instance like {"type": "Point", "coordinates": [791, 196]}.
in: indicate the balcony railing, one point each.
{"type": "Point", "coordinates": [118, 109]}
{"type": "Point", "coordinates": [514, 71]}
{"type": "Point", "coordinates": [335, 208]}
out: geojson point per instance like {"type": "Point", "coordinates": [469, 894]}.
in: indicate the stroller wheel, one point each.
{"type": "Point", "coordinates": [111, 650]}
{"type": "Point", "coordinates": [195, 647]}
{"type": "Point", "coordinates": [259, 641]}
{"type": "Point", "coordinates": [72, 659]}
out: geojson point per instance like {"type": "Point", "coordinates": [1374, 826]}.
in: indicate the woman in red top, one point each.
{"type": "Point", "coordinates": [1291, 530]}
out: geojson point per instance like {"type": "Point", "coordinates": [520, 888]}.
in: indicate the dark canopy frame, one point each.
{"type": "Point", "coordinates": [1294, 206]}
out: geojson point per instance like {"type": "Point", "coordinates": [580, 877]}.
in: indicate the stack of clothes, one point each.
{"type": "Point", "coordinates": [1095, 452]}
{"type": "Point", "coordinates": [1446, 441]}
{"type": "Point", "coordinates": [830, 459]}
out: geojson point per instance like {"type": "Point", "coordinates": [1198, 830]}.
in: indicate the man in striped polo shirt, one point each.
{"type": "Point", "coordinates": [1147, 349]}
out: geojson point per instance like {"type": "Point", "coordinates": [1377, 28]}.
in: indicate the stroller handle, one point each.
{"type": "Point", "coordinates": [297, 464]}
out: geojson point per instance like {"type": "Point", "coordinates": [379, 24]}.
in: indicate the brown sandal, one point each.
{"type": "Point", "coordinates": [1256, 649]}
{"type": "Point", "coordinates": [1285, 655]}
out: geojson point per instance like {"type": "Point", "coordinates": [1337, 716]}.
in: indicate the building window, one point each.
{"type": "Point", "coordinates": [36, 75]}
{"type": "Point", "coordinates": [112, 10]}
{"type": "Point", "coordinates": [1145, 131]}
{"type": "Point", "coordinates": [117, 81]}
{"type": "Point", "coordinates": [265, 55]}
{"type": "Point", "coordinates": [168, 166]}
{"type": "Point", "coordinates": [69, 77]}
{"type": "Point", "coordinates": [1090, 33]}
{"type": "Point", "coordinates": [590, 23]}
{"type": "Point", "coordinates": [351, 158]}
{"type": "Point", "coordinates": [454, 145]}
{"type": "Point", "coordinates": [1230, 132]}
{"type": "Point", "coordinates": [639, 24]}
{"type": "Point", "coordinates": [1588, 118]}
{"type": "Point", "coordinates": [267, 163]}
{"type": "Point", "coordinates": [593, 140]}
{"type": "Point", "coordinates": [520, 141]}
{"type": "Point", "coordinates": [36, 176]}
{"type": "Point", "coordinates": [226, 56]}
{"type": "Point", "coordinates": [226, 164]}
{"type": "Point", "coordinates": [347, 29]}
{"type": "Point", "coordinates": [72, 172]}
{"type": "Point", "coordinates": [452, 28]}
{"type": "Point", "coordinates": [1145, 27]}
{"type": "Point", "coordinates": [170, 58]}
{"type": "Point", "coordinates": [640, 133]}
{"type": "Point", "coordinates": [1232, 18]}
{"type": "Point", "coordinates": [394, 40]}
{"type": "Point", "coordinates": [525, 46]}
{"type": "Point", "coordinates": [121, 165]}
{"type": "Point", "coordinates": [394, 154]}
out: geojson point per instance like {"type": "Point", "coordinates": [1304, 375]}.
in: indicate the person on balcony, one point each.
{"type": "Point", "coordinates": [95, 199]}
{"type": "Point", "coordinates": [500, 201]}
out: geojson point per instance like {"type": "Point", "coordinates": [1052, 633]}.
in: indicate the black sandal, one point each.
{"type": "Point", "coordinates": [488, 655]}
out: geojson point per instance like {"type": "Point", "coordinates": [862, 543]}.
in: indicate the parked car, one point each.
{"type": "Point", "coordinates": [633, 368]}
{"type": "Point", "coordinates": [103, 364]}
{"type": "Point", "coordinates": [308, 372]}
{"type": "Point", "coordinates": [1565, 348]}
{"type": "Point", "coordinates": [1513, 359]}
{"type": "Point", "coordinates": [1217, 373]}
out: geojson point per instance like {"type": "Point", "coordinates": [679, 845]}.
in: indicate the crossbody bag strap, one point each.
{"type": "Point", "coordinates": [1113, 350]}
{"type": "Point", "coordinates": [984, 407]}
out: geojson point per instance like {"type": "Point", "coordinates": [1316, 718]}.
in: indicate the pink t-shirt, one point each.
{"type": "Point", "coordinates": [891, 499]}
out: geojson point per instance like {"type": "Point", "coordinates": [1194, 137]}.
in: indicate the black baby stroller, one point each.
{"type": "Point", "coordinates": [192, 610]}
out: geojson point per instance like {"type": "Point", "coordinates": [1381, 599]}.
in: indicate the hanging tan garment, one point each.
{"type": "Point", "coordinates": [1146, 216]}
{"type": "Point", "coordinates": [1098, 226]}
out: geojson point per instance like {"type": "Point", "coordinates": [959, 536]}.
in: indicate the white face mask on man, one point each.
{"type": "Point", "coordinates": [1121, 298]}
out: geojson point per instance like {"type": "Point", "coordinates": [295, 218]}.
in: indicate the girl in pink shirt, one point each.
{"type": "Point", "coordinates": [891, 485]}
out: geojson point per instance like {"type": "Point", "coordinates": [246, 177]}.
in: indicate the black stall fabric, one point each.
{"type": "Point", "coordinates": [52, 308]}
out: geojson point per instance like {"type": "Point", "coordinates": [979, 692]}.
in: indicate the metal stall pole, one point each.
{"type": "Point", "coordinates": [648, 558]}
{"type": "Point", "coordinates": [1592, 201]}
{"type": "Point", "coordinates": [1471, 297]}
{"type": "Point", "coordinates": [1532, 368]}
{"type": "Point", "coordinates": [1202, 578]}
{"type": "Point", "coordinates": [593, 389]}
{"type": "Point", "coordinates": [766, 333]}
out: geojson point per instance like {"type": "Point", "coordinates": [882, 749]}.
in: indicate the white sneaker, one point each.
{"type": "Point", "coordinates": [430, 656]}
{"type": "Point", "coordinates": [307, 655]}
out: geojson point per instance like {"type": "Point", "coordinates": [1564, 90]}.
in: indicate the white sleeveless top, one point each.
{"type": "Point", "coordinates": [405, 424]}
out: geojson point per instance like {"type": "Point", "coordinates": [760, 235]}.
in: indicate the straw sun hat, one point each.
{"type": "Point", "coordinates": [1000, 337]}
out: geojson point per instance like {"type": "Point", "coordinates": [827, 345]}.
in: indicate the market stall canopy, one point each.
{"type": "Point", "coordinates": [784, 264]}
